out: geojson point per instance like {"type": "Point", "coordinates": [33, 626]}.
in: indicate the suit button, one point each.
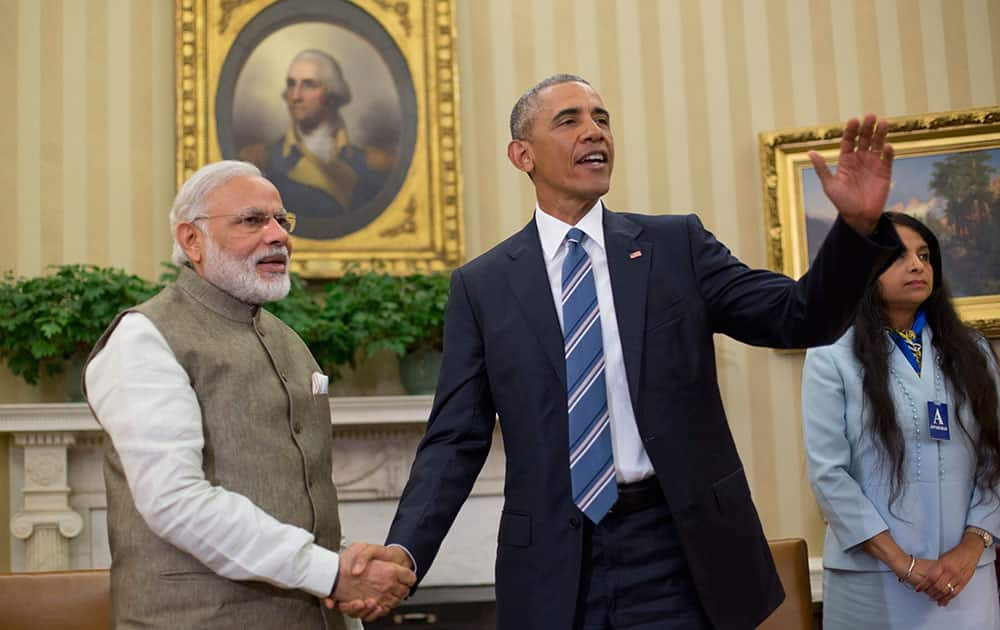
{"type": "Point", "coordinates": [574, 522]}
{"type": "Point", "coordinates": [297, 427]}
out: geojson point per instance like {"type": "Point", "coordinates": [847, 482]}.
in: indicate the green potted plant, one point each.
{"type": "Point", "coordinates": [321, 322]}
{"type": "Point", "coordinates": [423, 298]}
{"type": "Point", "coordinates": [49, 323]}
{"type": "Point", "coordinates": [403, 314]}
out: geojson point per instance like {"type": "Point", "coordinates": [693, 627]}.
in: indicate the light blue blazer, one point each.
{"type": "Point", "coordinates": [850, 478]}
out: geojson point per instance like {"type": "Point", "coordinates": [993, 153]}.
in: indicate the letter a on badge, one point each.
{"type": "Point", "coordinates": [938, 427]}
{"type": "Point", "coordinates": [937, 417]}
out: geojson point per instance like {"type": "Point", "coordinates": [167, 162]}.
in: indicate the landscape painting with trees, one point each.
{"type": "Point", "coordinates": [956, 194]}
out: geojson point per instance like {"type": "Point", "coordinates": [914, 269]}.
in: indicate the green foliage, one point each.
{"type": "Point", "coordinates": [372, 311]}
{"type": "Point", "coordinates": [47, 319]}
{"type": "Point", "coordinates": [968, 225]}
{"type": "Point", "coordinates": [396, 313]}
{"type": "Point", "coordinates": [321, 323]}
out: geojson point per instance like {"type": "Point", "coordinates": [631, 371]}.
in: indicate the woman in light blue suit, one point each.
{"type": "Point", "coordinates": [901, 434]}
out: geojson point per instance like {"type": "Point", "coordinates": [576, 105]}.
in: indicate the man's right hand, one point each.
{"type": "Point", "coordinates": [373, 580]}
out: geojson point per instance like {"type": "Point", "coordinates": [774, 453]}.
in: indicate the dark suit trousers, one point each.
{"type": "Point", "coordinates": [635, 576]}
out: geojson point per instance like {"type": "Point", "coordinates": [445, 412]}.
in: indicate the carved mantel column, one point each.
{"type": "Point", "coordinates": [46, 522]}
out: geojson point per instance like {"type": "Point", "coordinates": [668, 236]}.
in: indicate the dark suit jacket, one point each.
{"type": "Point", "coordinates": [503, 356]}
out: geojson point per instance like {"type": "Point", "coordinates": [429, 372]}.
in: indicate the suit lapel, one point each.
{"type": "Point", "coordinates": [629, 278]}
{"type": "Point", "coordinates": [529, 282]}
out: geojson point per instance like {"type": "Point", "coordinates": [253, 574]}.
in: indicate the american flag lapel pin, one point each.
{"type": "Point", "coordinates": [635, 254]}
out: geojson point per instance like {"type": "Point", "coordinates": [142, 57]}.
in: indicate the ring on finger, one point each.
{"type": "Point", "coordinates": [951, 589]}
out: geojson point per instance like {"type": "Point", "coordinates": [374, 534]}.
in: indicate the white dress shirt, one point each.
{"type": "Point", "coordinates": [631, 461]}
{"type": "Point", "coordinates": [145, 402]}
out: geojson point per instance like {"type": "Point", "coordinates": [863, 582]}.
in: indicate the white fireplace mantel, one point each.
{"type": "Point", "coordinates": [59, 505]}
{"type": "Point", "coordinates": [59, 508]}
{"type": "Point", "coordinates": [353, 411]}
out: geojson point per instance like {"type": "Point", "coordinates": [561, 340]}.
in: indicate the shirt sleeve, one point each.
{"type": "Point", "coordinates": [144, 401]}
{"type": "Point", "coordinates": [850, 514]}
{"type": "Point", "coordinates": [984, 508]}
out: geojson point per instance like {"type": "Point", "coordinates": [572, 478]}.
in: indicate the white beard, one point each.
{"type": "Point", "coordinates": [239, 278]}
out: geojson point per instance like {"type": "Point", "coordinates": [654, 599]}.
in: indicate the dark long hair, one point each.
{"type": "Point", "coordinates": [964, 364]}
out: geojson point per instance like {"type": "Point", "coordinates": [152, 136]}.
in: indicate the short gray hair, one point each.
{"type": "Point", "coordinates": [190, 199]}
{"type": "Point", "coordinates": [523, 114]}
{"type": "Point", "coordinates": [330, 74]}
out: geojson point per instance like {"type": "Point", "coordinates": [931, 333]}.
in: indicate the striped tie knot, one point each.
{"type": "Point", "coordinates": [575, 236]}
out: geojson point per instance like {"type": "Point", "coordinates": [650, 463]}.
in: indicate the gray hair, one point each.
{"type": "Point", "coordinates": [523, 114]}
{"type": "Point", "coordinates": [330, 74]}
{"type": "Point", "coordinates": [190, 199]}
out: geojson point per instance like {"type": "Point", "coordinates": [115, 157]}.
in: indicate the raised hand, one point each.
{"type": "Point", "coordinates": [371, 583]}
{"type": "Point", "coordinates": [860, 186]}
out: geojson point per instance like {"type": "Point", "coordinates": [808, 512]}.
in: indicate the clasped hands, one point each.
{"type": "Point", "coordinates": [943, 579]}
{"type": "Point", "coordinates": [372, 581]}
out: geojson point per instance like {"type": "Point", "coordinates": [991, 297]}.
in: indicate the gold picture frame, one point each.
{"type": "Point", "coordinates": [398, 61]}
{"type": "Point", "coordinates": [932, 151]}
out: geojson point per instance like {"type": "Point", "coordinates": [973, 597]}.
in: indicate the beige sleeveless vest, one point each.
{"type": "Point", "coordinates": [267, 437]}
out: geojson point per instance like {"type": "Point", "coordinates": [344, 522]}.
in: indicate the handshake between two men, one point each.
{"type": "Point", "coordinates": [372, 580]}
{"type": "Point", "coordinates": [221, 441]}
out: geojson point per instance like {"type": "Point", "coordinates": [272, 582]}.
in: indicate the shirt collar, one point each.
{"type": "Point", "coordinates": [214, 298]}
{"type": "Point", "coordinates": [552, 231]}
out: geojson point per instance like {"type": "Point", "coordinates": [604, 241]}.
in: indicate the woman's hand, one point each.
{"type": "Point", "coordinates": [924, 570]}
{"type": "Point", "coordinates": [882, 547]}
{"type": "Point", "coordinates": [952, 571]}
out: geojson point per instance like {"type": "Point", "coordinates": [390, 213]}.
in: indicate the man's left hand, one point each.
{"type": "Point", "coordinates": [860, 186]}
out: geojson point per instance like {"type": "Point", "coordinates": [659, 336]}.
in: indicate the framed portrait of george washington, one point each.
{"type": "Point", "coordinates": [946, 173]}
{"type": "Point", "coordinates": [350, 107]}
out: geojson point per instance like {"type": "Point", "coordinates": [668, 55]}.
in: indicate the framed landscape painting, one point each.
{"type": "Point", "coordinates": [946, 173]}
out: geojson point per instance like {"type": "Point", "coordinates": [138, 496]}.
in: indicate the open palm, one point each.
{"type": "Point", "coordinates": [860, 186]}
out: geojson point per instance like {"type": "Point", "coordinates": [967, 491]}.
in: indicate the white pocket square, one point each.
{"type": "Point", "coordinates": [320, 383]}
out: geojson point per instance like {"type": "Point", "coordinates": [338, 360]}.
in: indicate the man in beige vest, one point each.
{"type": "Point", "coordinates": [222, 512]}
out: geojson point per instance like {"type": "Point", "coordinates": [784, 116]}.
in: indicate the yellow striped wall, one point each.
{"type": "Point", "coordinates": [88, 137]}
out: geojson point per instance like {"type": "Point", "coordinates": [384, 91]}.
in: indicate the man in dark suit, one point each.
{"type": "Point", "coordinates": [589, 334]}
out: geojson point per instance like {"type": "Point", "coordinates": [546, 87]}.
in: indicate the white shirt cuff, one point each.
{"type": "Point", "coordinates": [321, 572]}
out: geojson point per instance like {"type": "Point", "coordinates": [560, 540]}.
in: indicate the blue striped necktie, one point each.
{"type": "Point", "coordinates": [591, 463]}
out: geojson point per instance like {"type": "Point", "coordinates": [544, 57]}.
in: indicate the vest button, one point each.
{"type": "Point", "coordinates": [297, 427]}
{"type": "Point", "coordinates": [574, 522]}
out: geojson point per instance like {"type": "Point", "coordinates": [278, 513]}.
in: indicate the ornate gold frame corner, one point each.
{"type": "Point", "coordinates": [784, 156]}
{"type": "Point", "coordinates": [422, 228]}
